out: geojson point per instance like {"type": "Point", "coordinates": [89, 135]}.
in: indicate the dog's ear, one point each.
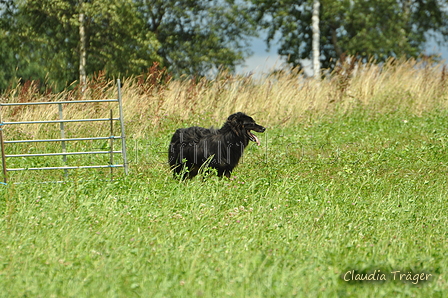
{"type": "Point", "coordinates": [235, 126]}
{"type": "Point", "coordinates": [234, 123]}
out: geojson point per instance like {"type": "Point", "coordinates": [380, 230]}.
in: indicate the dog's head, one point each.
{"type": "Point", "coordinates": [242, 124]}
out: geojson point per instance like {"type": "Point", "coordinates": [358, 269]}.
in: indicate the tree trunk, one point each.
{"type": "Point", "coordinates": [316, 37]}
{"type": "Point", "coordinates": [82, 49]}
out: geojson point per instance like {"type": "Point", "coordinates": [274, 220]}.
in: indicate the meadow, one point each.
{"type": "Point", "coordinates": [350, 182]}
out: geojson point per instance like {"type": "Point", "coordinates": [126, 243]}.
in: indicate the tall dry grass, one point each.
{"type": "Point", "coordinates": [282, 98]}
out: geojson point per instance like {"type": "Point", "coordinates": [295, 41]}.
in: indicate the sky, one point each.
{"type": "Point", "coordinates": [263, 61]}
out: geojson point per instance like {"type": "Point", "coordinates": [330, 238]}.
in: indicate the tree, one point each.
{"type": "Point", "coordinates": [60, 41]}
{"type": "Point", "coordinates": [82, 47]}
{"type": "Point", "coordinates": [46, 43]}
{"type": "Point", "coordinates": [8, 60]}
{"type": "Point", "coordinates": [197, 37]}
{"type": "Point", "coordinates": [316, 37]}
{"type": "Point", "coordinates": [366, 29]}
{"type": "Point", "coordinates": [118, 39]}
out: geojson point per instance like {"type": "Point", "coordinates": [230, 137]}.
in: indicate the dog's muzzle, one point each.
{"type": "Point", "coordinates": [253, 137]}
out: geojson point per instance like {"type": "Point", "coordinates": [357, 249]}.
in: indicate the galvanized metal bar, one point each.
{"type": "Point", "coordinates": [2, 145]}
{"type": "Point", "coordinates": [56, 102]}
{"type": "Point", "coordinates": [64, 157]}
{"type": "Point", "coordinates": [59, 121]}
{"type": "Point", "coordinates": [59, 154]}
{"type": "Point", "coordinates": [111, 142]}
{"type": "Point", "coordinates": [67, 168]}
{"type": "Point", "coordinates": [123, 135]}
{"type": "Point", "coordinates": [60, 140]}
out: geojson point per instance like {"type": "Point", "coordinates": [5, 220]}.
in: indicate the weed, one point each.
{"type": "Point", "coordinates": [356, 189]}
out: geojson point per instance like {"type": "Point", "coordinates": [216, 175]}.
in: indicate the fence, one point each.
{"type": "Point", "coordinates": [63, 140]}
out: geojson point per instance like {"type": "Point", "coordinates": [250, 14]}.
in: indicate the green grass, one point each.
{"type": "Point", "coordinates": [359, 192]}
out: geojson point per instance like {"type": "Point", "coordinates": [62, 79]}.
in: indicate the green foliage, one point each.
{"type": "Point", "coordinates": [376, 29]}
{"type": "Point", "coordinates": [197, 37]}
{"type": "Point", "coordinates": [361, 192]}
{"type": "Point", "coordinates": [40, 39]}
{"type": "Point", "coordinates": [43, 40]}
{"type": "Point", "coordinates": [124, 46]}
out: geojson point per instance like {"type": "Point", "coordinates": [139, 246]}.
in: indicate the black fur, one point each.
{"type": "Point", "coordinates": [191, 147]}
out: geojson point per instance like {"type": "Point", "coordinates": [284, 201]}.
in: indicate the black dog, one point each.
{"type": "Point", "coordinates": [220, 149]}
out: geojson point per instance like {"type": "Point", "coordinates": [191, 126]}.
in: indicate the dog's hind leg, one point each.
{"type": "Point", "coordinates": [224, 172]}
{"type": "Point", "coordinates": [194, 170]}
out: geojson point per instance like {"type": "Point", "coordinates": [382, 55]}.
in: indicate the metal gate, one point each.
{"type": "Point", "coordinates": [63, 139]}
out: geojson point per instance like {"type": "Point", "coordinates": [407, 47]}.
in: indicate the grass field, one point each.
{"type": "Point", "coordinates": [359, 189]}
